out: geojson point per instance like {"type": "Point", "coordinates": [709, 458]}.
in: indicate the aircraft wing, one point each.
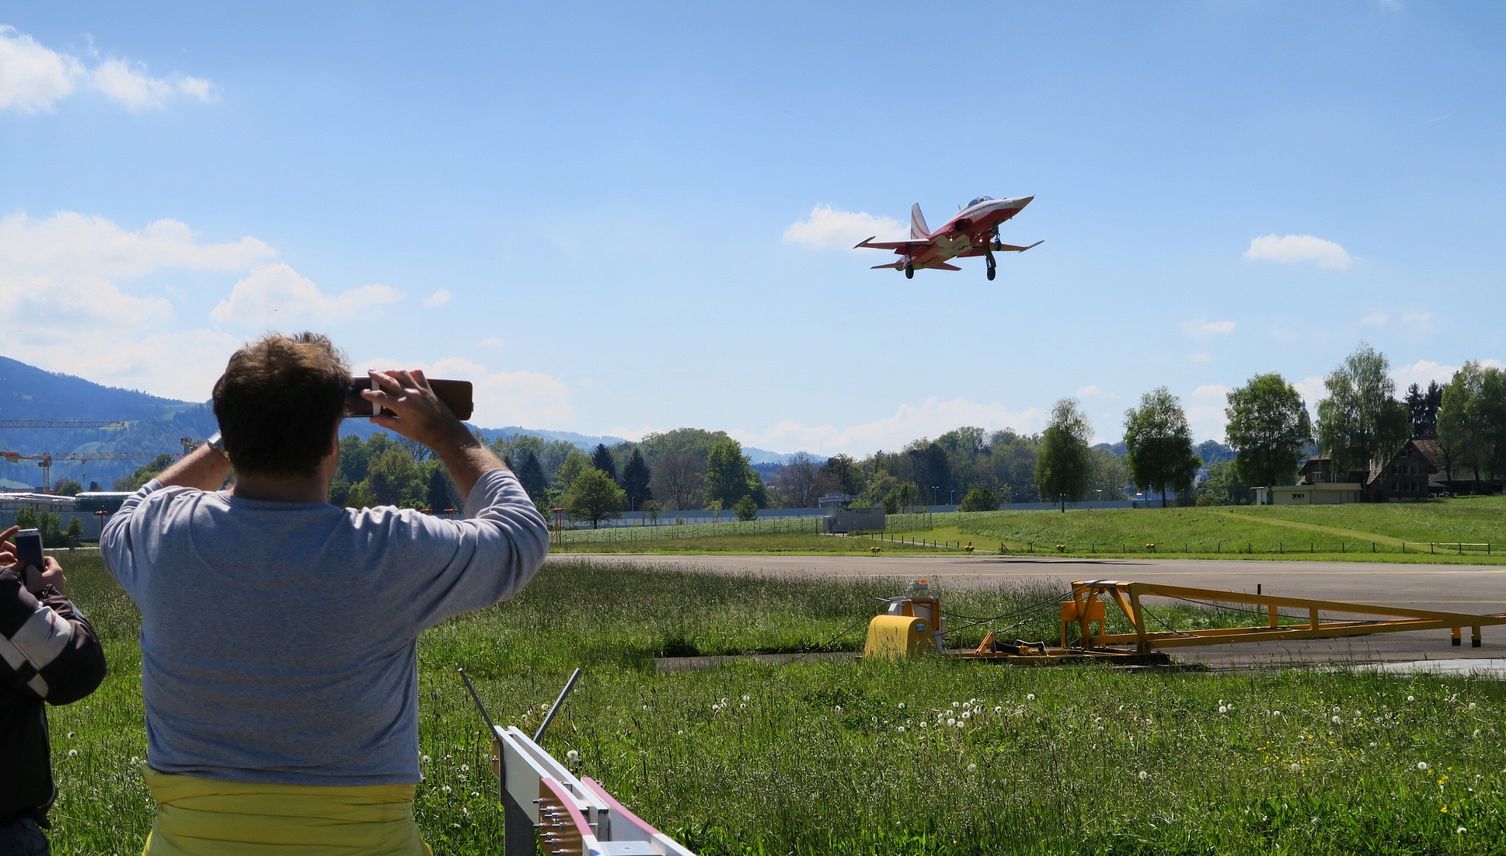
{"type": "Point", "coordinates": [942, 266]}
{"type": "Point", "coordinates": [998, 248]}
{"type": "Point", "coordinates": [898, 246]}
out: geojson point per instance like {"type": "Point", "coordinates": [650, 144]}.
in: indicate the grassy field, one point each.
{"type": "Point", "coordinates": [925, 757]}
{"type": "Point", "coordinates": [1469, 530]}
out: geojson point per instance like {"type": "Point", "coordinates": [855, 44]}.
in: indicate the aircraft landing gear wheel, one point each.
{"type": "Point", "coordinates": [909, 271]}
{"type": "Point", "coordinates": [991, 273]}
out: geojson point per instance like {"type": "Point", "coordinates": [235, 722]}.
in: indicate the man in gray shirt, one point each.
{"type": "Point", "coordinates": [278, 631]}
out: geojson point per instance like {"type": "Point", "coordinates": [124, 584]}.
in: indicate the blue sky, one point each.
{"type": "Point", "coordinates": [628, 217]}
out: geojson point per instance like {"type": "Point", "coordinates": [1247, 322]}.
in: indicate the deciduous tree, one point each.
{"type": "Point", "coordinates": [1361, 423]}
{"type": "Point", "coordinates": [1063, 464]}
{"type": "Point", "coordinates": [1269, 427]}
{"type": "Point", "coordinates": [1160, 443]}
{"type": "Point", "coordinates": [593, 496]}
{"type": "Point", "coordinates": [729, 476]}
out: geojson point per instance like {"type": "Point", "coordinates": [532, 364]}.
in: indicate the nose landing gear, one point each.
{"type": "Point", "coordinates": [989, 256]}
{"type": "Point", "coordinates": [909, 271]}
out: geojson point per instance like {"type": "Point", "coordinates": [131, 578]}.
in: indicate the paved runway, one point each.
{"type": "Point", "coordinates": [1454, 588]}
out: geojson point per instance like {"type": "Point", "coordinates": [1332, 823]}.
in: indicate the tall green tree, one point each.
{"type": "Point", "coordinates": [1064, 464]}
{"type": "Point", "coordinates": [1269, 428]}
{"type": "Point", "coordinates": [601, 458]}
{"type": "Point", "coordinates": [1360, 423]}
{"type": "Point", "coordinates": [394, 479]}
{"type": "Point", "coordinates": [845, 472]}
{"type": "Point", "coordinates": [635, 481]}
{"type": "Point", "coordinates": [593, 496]}
{"type": "Point", "coordinates": [441, 492]}
{"type": "Point", "coordinates": [1160, 443]}
{"type": "Point", "coordinates": [729, 476]}
{"type": "Point", "coordinates": [145, 473]}
{"type": "Point", "coordinates": [531, 476]}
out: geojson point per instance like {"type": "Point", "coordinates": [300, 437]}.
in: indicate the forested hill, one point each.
{"type": "Point", "coordinates": [155, 425]}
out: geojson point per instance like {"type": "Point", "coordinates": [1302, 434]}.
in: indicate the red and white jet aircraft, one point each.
{"type": "Point", "coordinates": [973, 232]}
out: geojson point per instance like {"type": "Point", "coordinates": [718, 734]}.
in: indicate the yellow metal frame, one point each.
{"type": "Point", "coordinates": [1087, 611]}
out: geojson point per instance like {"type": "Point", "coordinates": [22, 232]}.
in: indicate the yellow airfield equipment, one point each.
{"type": "Point", "coordinates": [910, 625]}
{"type": "Point", "coordinates": [913, 623]}
{"type": "Point", "coordinates": [1087, 611]}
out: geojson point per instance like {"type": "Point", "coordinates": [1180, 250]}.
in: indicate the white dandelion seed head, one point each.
{"type": "Point", "coordinates": [1144, 775]}
{"type": "Point", "coordinates": [972, 767]}
{"type": "Point", "coordinates": [1422, 766]}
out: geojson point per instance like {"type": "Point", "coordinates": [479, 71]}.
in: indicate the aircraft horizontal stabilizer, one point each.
{"type": "Point", "coordinates": [887, 266]}
{"type": "Point", "coordinates": [1011, 248]}
{"type": "Point", "coordinates": [943, 266]}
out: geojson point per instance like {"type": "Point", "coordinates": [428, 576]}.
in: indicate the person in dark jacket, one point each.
{"type": "Point", "coordinates": [48, 653]}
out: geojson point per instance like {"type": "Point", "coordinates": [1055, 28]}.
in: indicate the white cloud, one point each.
{"type": "Point", "coordinates": [68, 266]}
{"type": "Point", "coordinates": [1200, 357]}
{"type": "Point", "coordinates": [69, 243]}
{"type": "Point", "coordinates": [1420, 322]}
{"type": "Point", "coordinates": [34, 78]}
{"type": "Point", "coordinates": [1205, 329]}
{"type": "Point", "coordinates": [1424, 372]}
{"type": "Point", "coordinates": [1376, 319]}
{"type": "Point", "coordinates": [528, 399]}
{"type": "Point", "coordinates": [492, 342]}
{"type": "Point", "coordinates": [930, 418]}
{"type": "Point", "coordinates": [128, 84]}
{"type": "Point", "coordinates": [1298, 248]}
{"type": "Point", "coordinates": [1089, 391]}
{"type": "Point", "coordinates": [1205, 411]}
{"type": "Point", "coordinates": [438, 298]}
{"type": "Point", "coordinates": [829, 228]}
{"type": "Point", "coordinates": [276, 295]}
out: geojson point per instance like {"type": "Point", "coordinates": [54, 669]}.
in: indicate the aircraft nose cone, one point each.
{"type": "Point", "coordinates": [1021, 202]}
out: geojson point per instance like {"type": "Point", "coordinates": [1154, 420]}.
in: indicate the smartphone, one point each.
{"type": "Point", "coordinates": [29, 549]}
{"type": "Point", "coordinates": [456, 394]}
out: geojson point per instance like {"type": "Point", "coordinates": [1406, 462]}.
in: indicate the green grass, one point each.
{"type": "Point", "coordinates": [1388, 532]}
{"type": "Point", "coordinates": [1385, 531]}
{"type": "Point", "coordinates": [842, 756]}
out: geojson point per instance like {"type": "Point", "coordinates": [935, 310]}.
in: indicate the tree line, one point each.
{"type": "Point", "coordinates": [1360, 424]}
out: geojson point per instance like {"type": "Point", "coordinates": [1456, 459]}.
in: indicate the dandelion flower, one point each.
{"type": "Point", "coordinates": [1411, 698]}
{"type": "Point", "coordinates": [72, 753]}
{"type": "Point", "coordinates": [1144, 775]}
{"type": "Point", "coordinates": [1295, 767]}
{"type": "Point", "coordinates": [1422, 766]}
{"type": "Point", "coordinates": [1029, 696]}
{"type": "Point", "coordinates": [951, 721]}
{"type": "Point", "coordinates": [971, 767]}
{"type": "Point", "coordinates": [1223, 708]}
{"type": "Point", "coordinates": [1337, 719]}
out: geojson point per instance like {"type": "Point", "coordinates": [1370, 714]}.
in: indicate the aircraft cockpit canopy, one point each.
{"type": "Point", "coordinates": [979, 199]}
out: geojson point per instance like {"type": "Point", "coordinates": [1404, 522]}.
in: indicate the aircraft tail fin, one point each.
{"type": "Point", "coordinates": [918, 227]}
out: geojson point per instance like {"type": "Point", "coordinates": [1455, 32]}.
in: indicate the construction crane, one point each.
{"type": "Point", "coordinates": [58, 423]}
{"type": "Point", "coordinates": [45, 460]}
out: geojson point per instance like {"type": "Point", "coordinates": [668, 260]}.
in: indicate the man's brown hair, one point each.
{"type": "Point", "coordinates": [278, 403]}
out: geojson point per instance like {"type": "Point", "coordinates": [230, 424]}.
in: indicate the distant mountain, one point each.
{"type": "Point", "coordinates": [154, 427]}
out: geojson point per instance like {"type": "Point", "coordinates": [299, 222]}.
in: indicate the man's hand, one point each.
{"type": "Point", "coordinates": [39, 578]}
{"type": "Point", "coordinates": [416, 412]}
{"type": "Point", "coordinates": [8, 547]}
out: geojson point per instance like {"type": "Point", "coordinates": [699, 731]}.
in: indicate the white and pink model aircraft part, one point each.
{"type": "Point", "coordinates": [973, 232]}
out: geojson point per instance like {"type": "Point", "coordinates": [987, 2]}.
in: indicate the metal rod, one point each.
{"type": "Point", "coordinates": [491, 729]}
{"type": "Point", "coordinates": [549, 717]}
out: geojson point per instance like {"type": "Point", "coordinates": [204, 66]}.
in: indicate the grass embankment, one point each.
{"type": "Point", "coordinates": [926, 757]}
{"type": "Point", "coordinates": [1370, 532]}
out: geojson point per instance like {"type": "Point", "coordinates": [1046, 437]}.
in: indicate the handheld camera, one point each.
{"type": "Point", "coordinates": [456, 394]}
